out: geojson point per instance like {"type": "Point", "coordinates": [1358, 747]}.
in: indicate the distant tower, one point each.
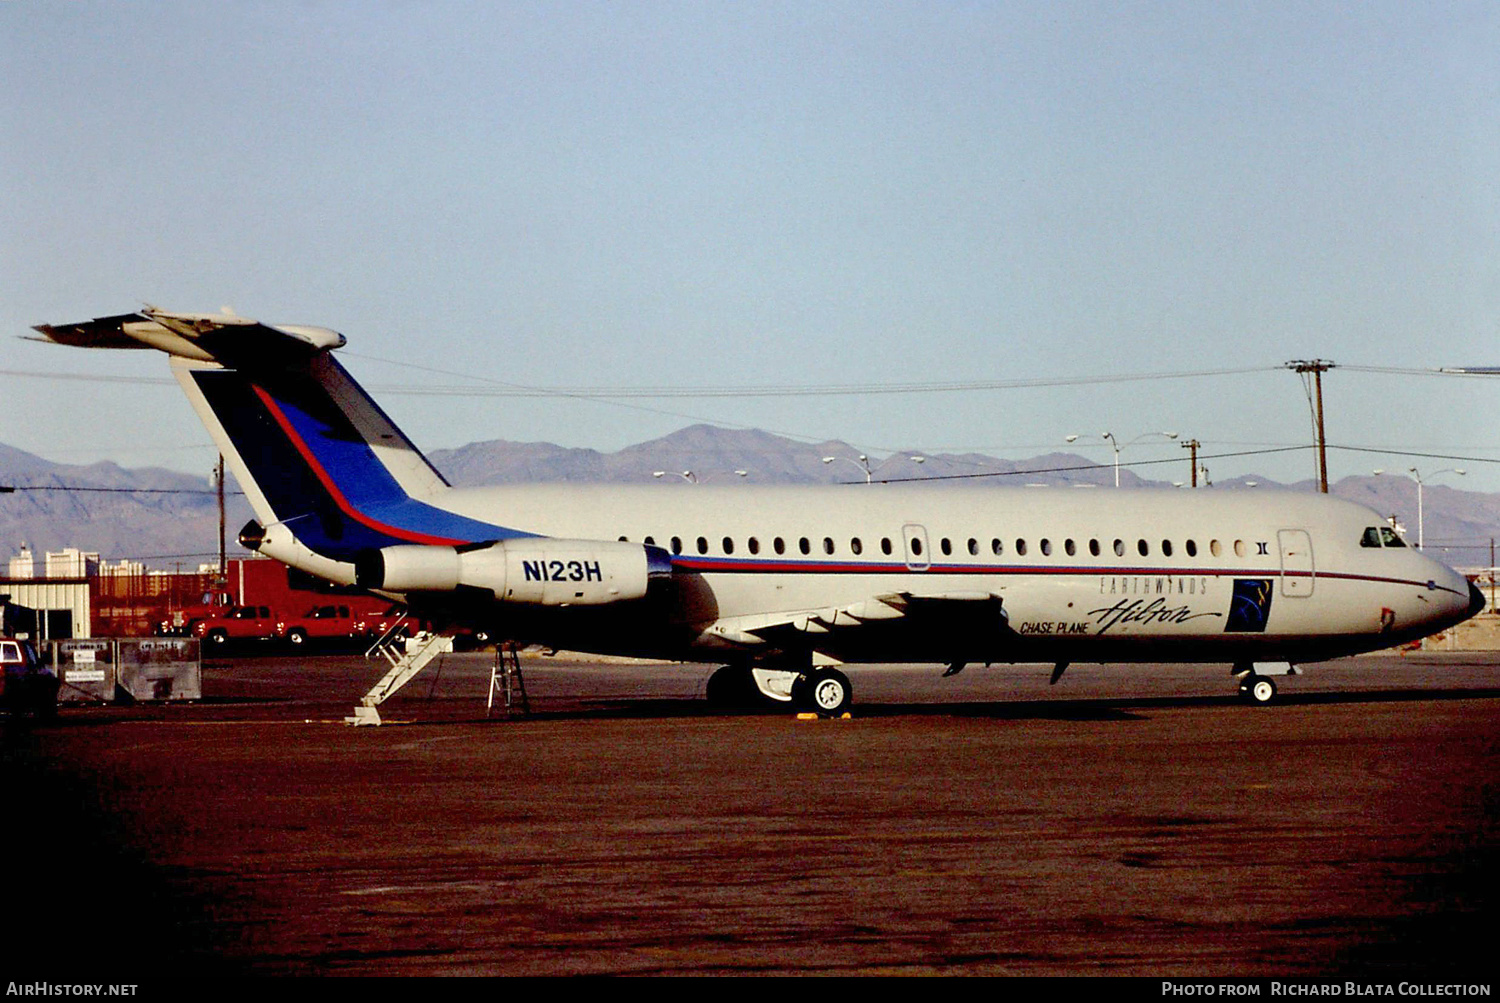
{"type": "Point", "coordinates": [23, 566]}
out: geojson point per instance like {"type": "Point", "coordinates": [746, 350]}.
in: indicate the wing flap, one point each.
{"type": "Point", "coordinates": [810, 627]}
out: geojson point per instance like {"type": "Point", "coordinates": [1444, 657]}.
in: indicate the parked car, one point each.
{"type": "Point", "coordinates": [27, 685]}
{"type": "Point", "coordinates": [236, 623]}
{"type": "Point", "coordinates": [392, 619]}
{"type": "Point", "coordinates": [321, 623]}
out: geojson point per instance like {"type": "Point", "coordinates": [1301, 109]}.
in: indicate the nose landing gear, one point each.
{"type": "Point", "coordinates": [1256, 686]}
{"type": "Point", "coordinates": [1258, 690]}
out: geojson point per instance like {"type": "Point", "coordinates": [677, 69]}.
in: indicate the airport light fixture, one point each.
{"type": "Point", "coordinates": [686, 475]}
{"type": "Point", "coordinates": [863, 463]}
{"type": "Point", "coordinates": [1460, 471]}
{"type": "Point", "coordinates": [1117, 445]}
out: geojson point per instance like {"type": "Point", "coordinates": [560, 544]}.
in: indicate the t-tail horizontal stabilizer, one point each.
{"type": "Point", "coordinates": [203, 337]}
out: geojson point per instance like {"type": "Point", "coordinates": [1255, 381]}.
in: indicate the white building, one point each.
{"type": "Point", "coordinates": [70, 562]}
{"type": "Point", "coordinates": [23, 566]}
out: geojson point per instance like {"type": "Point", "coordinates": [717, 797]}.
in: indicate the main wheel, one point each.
{"type": "Point", "coordinates": [1259, 690]}
{"type": "Point", "coordinates": [826, 692]}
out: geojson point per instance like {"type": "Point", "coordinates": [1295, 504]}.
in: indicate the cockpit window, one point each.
{"type": "Point", "coordinates": [1389, 538]}
{"type": "Point", "coordinates": [1371, 537]}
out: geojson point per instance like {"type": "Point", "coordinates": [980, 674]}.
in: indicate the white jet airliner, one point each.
{"type": "Point", "coordinates": [782, 584]}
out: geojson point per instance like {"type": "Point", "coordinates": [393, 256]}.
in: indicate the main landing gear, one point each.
{"type": "Point", "coordinates": [819, 690]}
{"type": "Point", "coordinates": [823, 691]}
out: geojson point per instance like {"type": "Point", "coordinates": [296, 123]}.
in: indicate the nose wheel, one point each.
{"type": "Point", "coordinates": [1258, 690]}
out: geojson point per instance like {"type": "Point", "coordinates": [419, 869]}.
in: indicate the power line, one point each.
{"type": "Point", "coordinates": [9, 488]}
{"type": "Point", "coordinates": [1085, 466]}
{"type": "Point", "coordinates": [500, 388]}
{"type": "Point", "coordinates": [1424, 456]}
{"type": "Point", "coordinates": [505, 389]}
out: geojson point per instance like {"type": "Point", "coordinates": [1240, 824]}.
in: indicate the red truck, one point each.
{"type": "Point", "coordinates": [234, 623]}
{"type": "Point", "coordinates": [366, 619]}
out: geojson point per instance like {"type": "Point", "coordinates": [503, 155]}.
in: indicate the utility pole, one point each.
{"type": "Point", "coordinates": [1193, 445]}
{"type": "Point", "coordinates": [1317, 367]}
{"type": "Point", "coordinates": [219, 480]}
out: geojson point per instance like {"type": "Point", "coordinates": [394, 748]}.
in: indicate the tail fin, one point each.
{"type": "Point", "coordinates": [311, 449]}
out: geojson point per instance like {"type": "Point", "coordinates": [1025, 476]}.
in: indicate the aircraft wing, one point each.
{"type": "Point", "coordinates": [805, 627]}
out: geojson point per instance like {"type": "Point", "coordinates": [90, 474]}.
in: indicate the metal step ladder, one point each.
{"type": "Point", "coordinates": [506, 679]}
{"type": "Point", "coordinates": [405, 659]}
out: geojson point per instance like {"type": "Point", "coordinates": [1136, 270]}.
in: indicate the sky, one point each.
{"type": "Point", "coordinates": [772, 195]}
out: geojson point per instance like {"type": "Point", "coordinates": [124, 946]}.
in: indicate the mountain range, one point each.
{"type": "Point", "coordinates": [169, 519]}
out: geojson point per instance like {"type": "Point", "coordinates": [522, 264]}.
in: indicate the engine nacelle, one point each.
{"type": "Point", "coordinates": [535, 570]}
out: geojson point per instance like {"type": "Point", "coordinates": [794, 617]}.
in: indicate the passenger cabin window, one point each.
{"type": "Point", "coordinates": [1119, 548]}
{"type": "Point", "coordinates": [996, 547]}
{"type": "Point", "coordinates": [1143, 548]}
{"type": "Point", "coordinates": [827, 544]}
{"type": "Point", "coordinates": [676, 544]}
{"type": "Point", "coordinates": [1069, 547]}
{"type": "Point", "coordinates": [856, 546]}
{"type": "Point", "coordinates": [1166, 548]}
{"type": "Point", "coordinates": [728, 545]}
{"type": "Point", "coordinates": [702, 545]}
{"type": "Point", "coordinates": [754, 545]}
{"type": "Point", "coordinates": [1094, 548]}
{"type": "Point", "coordinates": [778, 545]}
{"type": "Point", "coordinates": [1020, 548]}
{"type": "Point", "coordinates": [649, 541]}
{"type": "Point", "coordinates": [885, 545]}
{"type": "Point", "coordinates": [947, 545]}
{"type": "Point", "coordinates": [973, 547]}
{"type": "Point", "coordinates": [1192, 548]}
{"type": "Point", "coordinates": [1046, 547]}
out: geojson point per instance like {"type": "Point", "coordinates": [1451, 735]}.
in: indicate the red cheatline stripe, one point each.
{"type": "Point", "coordinates": [733, 566]}
{"type": "Point", "coordinates": [333, 489]}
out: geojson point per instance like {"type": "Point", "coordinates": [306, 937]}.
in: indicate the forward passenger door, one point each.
{"type": "Point", "coordinates": [1298, 573]}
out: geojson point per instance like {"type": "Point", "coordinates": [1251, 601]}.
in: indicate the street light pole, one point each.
{"type": "Point", "coordinates": [1115, 443]}
{"type": "Point", "coordinates": [1421, 525]}
{"type": "Point", "coordinates": [863, 463]}
{"type": "Point", "coordinates": [1117, 446]}
{"type": "Point", "coordinates": [1448, 470]}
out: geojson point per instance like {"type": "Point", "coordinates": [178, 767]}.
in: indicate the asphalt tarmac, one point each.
{"type": "Point", "coordinates": [1130, 820]}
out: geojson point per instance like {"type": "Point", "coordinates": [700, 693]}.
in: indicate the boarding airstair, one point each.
{"type": "Point", "coordinates": [406, 656]}
{"type": "Point", "coordinates": [506, 679]}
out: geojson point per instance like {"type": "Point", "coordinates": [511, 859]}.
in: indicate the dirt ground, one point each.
{"type": "Point", "coordinates": [1131, 820]}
